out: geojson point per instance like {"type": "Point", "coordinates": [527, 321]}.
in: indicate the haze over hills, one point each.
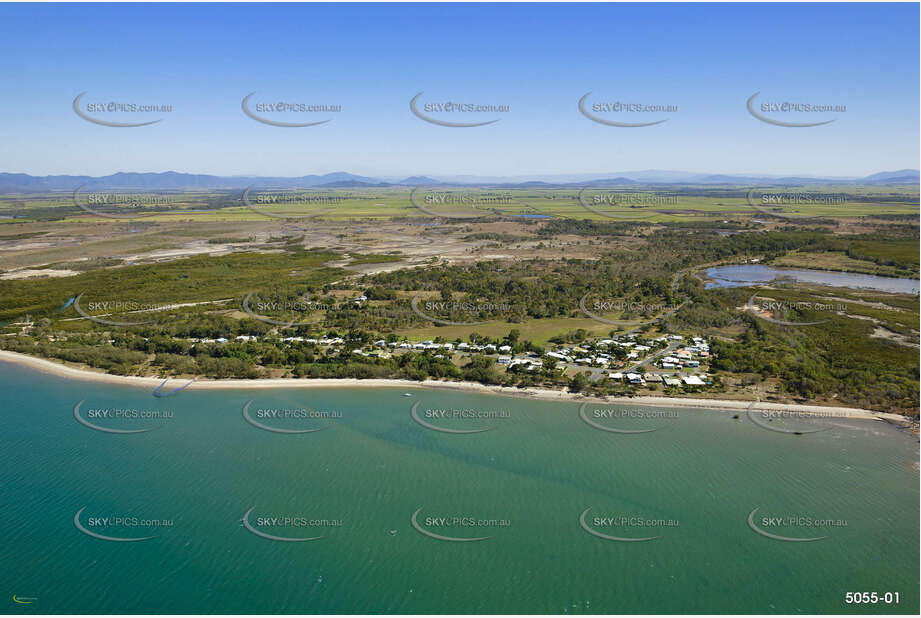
{"type": "Point", "coordinates": [176, 181]}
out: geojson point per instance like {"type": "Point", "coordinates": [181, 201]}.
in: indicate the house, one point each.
{"type": "Point", "coordinates": [692, 363]}
{"type": "Point", "coordinates": [530, 362]}
{"type": "Point", "coordinates": [504, 360]}
{"type": "Point", "coordinates": [616, 376]}
{"type": "Point", "coordinates": [671, 381]}
{"type": "Point", "coordinates": [505, 348]}
{"type": "Point", "coordinates": [652, 377]}
{"type": "Point", "coordinates": [380, 343]}
{"type": "Point", "coordinates": [635, 378]}
{"type": "Point", "coordinates": [693, 381]}
{"type": "Point", "coordinates": [490, 347]}
{"type": "Point", "coordinates": [463, 346]}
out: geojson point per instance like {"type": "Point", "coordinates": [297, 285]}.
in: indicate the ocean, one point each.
{"type": "Point", "coordinates": [520, 507]}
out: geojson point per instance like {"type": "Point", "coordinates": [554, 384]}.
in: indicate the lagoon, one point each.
{"type": "Point", "coordinates": [753, 274]}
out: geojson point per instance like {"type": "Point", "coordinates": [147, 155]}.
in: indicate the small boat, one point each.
{"type": "Point", "coordinates": [407, 395]}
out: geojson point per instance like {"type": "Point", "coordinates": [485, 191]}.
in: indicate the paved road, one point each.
{"type": "Point", "coordinates": [601, 372]}
{"type": "Point", "coordinates": [674, 345]}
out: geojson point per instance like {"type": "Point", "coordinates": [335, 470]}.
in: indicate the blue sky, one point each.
{"type": "Point", "coordinates": [538, 59]}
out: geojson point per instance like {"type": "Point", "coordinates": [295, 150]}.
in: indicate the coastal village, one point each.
{"type": "Point", "coordinates": [670, 360]}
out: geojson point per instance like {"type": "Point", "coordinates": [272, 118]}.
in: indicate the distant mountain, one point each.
{"type": "Point", "coordinates": [610, 181]}
{"type": "Point", "coordinates": [418, 180]}
{"type": "Point", "coordinates": [177, 181]}
{"type": "Point", "coordinates": [344, 184]}
{"type": "Point", "coordinates": [168, 181]}
{"type": "Point", "coordinates": [898, 177]}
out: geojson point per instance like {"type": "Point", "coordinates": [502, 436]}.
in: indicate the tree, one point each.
{"type": "Point", "coordinates": [578, 383]}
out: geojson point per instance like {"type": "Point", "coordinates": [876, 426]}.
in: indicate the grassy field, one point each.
{"type": "Point", "coordinates": [647, 203]}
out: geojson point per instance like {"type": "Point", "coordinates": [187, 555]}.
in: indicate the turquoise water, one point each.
{"type": "Point", "coordinates": [523, 483]}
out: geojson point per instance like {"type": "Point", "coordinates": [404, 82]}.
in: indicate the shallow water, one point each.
{"type": "Point", "coordinates": [692, 482]}
{"type": "Point", "coordinates": [750, 274]}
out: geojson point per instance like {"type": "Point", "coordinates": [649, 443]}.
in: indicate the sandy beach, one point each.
{"type": "Point", "coordinates": [79, 373]}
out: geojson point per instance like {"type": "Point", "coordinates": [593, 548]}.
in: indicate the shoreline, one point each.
{"type": "Point", "coordinates": [66, 371]}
